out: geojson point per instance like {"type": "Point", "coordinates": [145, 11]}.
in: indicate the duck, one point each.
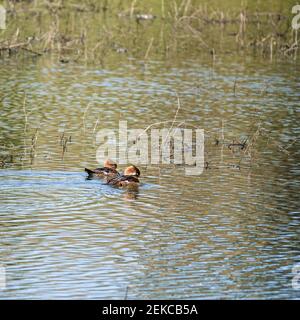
{"type": "Point", "coordinates": [128, 179]}
{"type": "Point", "coordinates": [109, 171]}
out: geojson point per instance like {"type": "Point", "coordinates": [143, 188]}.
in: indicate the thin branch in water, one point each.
{"type": "Point", "coordinates": [126, 293]}
{"type": "Point", "coordinates": [84, 115]}
{"type": "Point", "coordinates": [96, 125]}
{"type": "Point", "coordinates": [25, 113]}
{"type": "Point", "coordinates": [148, 49]}
{"type": "Point", "coordinates": [171, 128]}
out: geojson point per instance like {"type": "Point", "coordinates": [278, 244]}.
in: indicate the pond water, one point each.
{"type": "Point", "coordinates": [231, 232]}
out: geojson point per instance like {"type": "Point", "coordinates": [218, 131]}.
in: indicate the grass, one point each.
{"type": "Point", "coordinates": [89, 31]}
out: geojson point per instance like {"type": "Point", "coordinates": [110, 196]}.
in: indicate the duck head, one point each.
{"type": "Point", "coordinates": [132, 171]}
{"type": "Point", "coordinates": [110, 164]}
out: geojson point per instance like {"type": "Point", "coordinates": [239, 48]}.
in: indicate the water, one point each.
{"type": "Point", "coordinates": [232, 232]}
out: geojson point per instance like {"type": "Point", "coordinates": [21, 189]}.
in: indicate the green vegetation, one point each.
{"type": "Point", "coordinates": [91, 30]}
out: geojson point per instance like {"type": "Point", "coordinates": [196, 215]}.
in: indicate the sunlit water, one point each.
{"type": "Point", "coordinates": [232, 232]}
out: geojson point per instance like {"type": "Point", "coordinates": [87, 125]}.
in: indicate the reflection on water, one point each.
{"type": "Point", "coordinates": [232, 232]}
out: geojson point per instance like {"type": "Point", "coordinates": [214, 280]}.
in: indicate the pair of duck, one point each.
{"type": "Point", "coordinates": [113, 177]}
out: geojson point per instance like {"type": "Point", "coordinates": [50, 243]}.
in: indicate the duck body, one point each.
{"type": "Point", "coordinates": [124, 181]}
{"type": "Point", "coordinates": [127, 180]}
{"type": "Point", "coordinates": [109, 171]}
{"type": "Point", "coordinates": [102, 173]}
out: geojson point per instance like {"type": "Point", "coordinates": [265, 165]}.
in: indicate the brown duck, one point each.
{"type": "Point", "coordinates": [109, 171]}
{"type": "Point", "coordinates": [128, 179]}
